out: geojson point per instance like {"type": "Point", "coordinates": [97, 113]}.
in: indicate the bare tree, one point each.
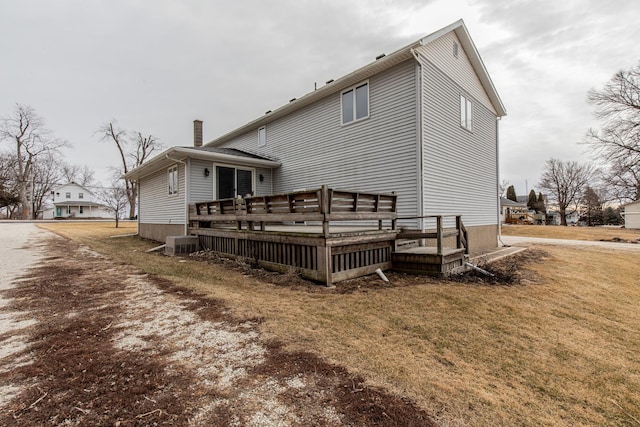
{"type": "Point", "coordinates": [82, 175]}
{"type": "Point", "coordinates": [134, 149]}
{"type": "Point", "coordinates": [617, 139]}
{"type": "Point", "coordinates": [24, 130]}
{"type": "Point", "coordinates": [116, 199]}
{"type": "Point", "coordinates": [47, 173]}
{"type": "Point", "coordinates": [9, 196]}
{"type": "Point", "coordinates": [564, 182]}
{"type": "Point", "coordinates": [622, 179]}
{"type": "Point", "coordinates": [502, 187]}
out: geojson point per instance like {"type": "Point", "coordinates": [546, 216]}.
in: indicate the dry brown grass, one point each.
{"type": "Point", "coordinates": [572, 233]}
{"type": "Point", "coordinates": [562, 350]}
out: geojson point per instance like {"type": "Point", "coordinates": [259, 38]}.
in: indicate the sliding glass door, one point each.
{"type": "Point", "coordinates": [232, 182]}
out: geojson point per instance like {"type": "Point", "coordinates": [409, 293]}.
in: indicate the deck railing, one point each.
{"type": "Point", "coordinates": [440, 233]}
{"type": "Point", "coordinates": [321, 205]}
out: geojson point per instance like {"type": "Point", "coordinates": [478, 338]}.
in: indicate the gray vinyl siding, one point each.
{"type": "Point", "coordinates": [377, 154]}
{"type": "Point", "coordinates": [459, 166]}
{"type": "Point", "coordinates": [156, 205]}
{"type": "Point", "coordinates": [200, 186]}
{"type": "Point", "coordinates": [264, 187]}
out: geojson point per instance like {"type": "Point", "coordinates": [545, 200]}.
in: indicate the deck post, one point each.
{"type": "Point", "coordinates": [325, 209]}
{"type": "Point", "coordinates": [439, 232]}
{"type": "Point", "coordinates": [459, 230]}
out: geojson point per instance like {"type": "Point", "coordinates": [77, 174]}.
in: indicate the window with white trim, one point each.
{"type": "Point", "coordinates": [466, 113]}
{"type": "Point", "coordinates": [355, 103]}
{"type": "Point", "coordinates": [173, 180]}
{"type": "Point", "coordinates": [262, 136]}
{"type": "Point", "coordinates": [68, 195]}
{"type": "Point", "coordinates": [80, 195]}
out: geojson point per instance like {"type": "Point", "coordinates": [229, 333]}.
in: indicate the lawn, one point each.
{"type": "Point", "coordinates": [573, 233]}
{"type": "Point", "coordinates": [560, 348]}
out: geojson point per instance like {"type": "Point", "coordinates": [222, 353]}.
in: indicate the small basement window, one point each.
{"type": "Point", "coordinates": [466, 113]}
{"type": "Point", "coordinates": [355, 103]}
{"type": "Point", "coordinates": [173, 180]}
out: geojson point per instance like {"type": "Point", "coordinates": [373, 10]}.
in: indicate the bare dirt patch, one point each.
{"type": "Point", "coordinates": [114, 346]}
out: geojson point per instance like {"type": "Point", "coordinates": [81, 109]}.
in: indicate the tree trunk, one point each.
{"type": "Point", "coordinates": [563, 216]}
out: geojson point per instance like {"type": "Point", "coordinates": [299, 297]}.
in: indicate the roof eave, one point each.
{"type": "Point", "coordinates": [180, 154]}
{"type": "Point", "coordinates": [350, 79]}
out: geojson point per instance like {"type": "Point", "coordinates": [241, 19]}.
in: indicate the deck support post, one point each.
{"type": "Point", "coordinates": [459, 230]}
{"type": "Point", "coordinates": [325, 209]}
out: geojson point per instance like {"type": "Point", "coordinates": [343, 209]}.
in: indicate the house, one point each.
{"type": "Point", "coordinates": [632, 215]}
{"type": "Point", "coordinates": [513, 212]}
{"type": "Point", "coordinates": [554, 218]}
{"type": "Point", "coordinates": [75, 201]}
{"type": "Point", "coordinates": [421, 122]}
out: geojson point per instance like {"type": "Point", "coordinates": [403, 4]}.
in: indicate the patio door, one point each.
{"type": "Point", "coordinates": [232, 182]}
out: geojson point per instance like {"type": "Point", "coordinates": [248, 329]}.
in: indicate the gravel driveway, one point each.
{"type": "Point", "coordinates": [520, 240]}
{"type": "Point", "coordinates": [87, 341]}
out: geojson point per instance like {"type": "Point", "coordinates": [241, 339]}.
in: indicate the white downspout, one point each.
{"type": "Point", "coordinates": [498, 181]}
{"type": "Point", "coordinates": [420, 162]}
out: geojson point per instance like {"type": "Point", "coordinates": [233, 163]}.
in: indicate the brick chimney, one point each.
{"type": "Point", "coordinates": [197, 133]}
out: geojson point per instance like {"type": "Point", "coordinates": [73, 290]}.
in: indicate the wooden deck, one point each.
{"type": "Point", "coordinates": [324, 235]}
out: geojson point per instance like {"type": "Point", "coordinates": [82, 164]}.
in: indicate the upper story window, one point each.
{"type": "Point", "coordinates": [173, 180]}
{"type": "Point", "coordinates": [80, 195]}
{"type": "Point", "coordinates": [262, 136]}
{"type": "Point", "coordinates": [355, 103]}
{"type": "Point", "coordinates": [68, 195]}
{"type": "Point", "coordinates": [466, 113]}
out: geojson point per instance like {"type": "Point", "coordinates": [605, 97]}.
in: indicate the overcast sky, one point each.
{"type": "Point", "coordinates": [156, 65]}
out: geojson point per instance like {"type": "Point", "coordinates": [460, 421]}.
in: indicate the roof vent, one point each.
{"type": "Point", "coordinates": [268, 112]}
{"type": "Point", "coordinates": [329, 81]}
{"type": "Point", "coordinates": [382, 55]}
{"type": "Point", "coordinates": [292, 99]}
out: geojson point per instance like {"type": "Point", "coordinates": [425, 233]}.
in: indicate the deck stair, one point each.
{"type": "Point", "coordinates": [415, 251]}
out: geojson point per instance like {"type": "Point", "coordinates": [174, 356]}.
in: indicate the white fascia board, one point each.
{"type": "Point", "coordinates": [226, 158]}
{"type": "Point", "coordinates": [180, 154]}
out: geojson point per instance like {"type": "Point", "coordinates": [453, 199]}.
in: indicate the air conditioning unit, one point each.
{"type": "Point", "coordinates": [181, 245]}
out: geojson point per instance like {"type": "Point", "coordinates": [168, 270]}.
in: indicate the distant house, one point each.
{"type": "Point", "coordinates": [75, 201]}
{"type": "Point", "coordinates": [421, 122]}
{"type": "Point", "coordinates": [512, 212]}
{"type": "Point", "coordinates": [632, 215]}
{"type": "Point", "coordinates": [554, 218]}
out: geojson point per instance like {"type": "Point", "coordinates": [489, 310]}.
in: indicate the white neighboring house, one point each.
{"type": "Point", "coordinates": [75, 201]}
{"type": "Point", "coordinates": [632, 215]}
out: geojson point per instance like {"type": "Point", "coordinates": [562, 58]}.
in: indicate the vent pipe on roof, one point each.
{"type": "Point", "coordinates": [197, 133]}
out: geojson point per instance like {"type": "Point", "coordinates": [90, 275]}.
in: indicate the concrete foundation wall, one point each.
{"type": "Point", "coordinates": [482, 238]}
{"type": "Point", "coordinates": [159, 232]}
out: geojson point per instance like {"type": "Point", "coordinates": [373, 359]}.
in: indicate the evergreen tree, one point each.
{"type": "Point", "coordinates": [612, 216]}
{"type": "Point", "coordinates": [540, 206]}
{"type": "Point", "coordinates": [592, 207]}
{"type": "Point", "coordinates": [511, 193]}
{"type": "Point", "coordinates": [532, 203]}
